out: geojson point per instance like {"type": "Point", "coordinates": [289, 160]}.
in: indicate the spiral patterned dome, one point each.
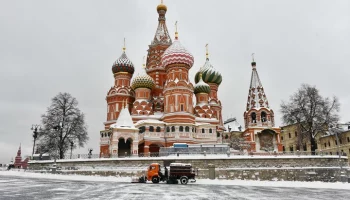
{"type": "Point", "coordinates": [123, 64]}
{"type": "Point", "coordinates": [209, 74]}
{"type": "Point", "coordinates": [143, 81]}
{"type": "Point", "coordinates": [201, 86]}
{"type": "Point", "coordinates": [177, 54]}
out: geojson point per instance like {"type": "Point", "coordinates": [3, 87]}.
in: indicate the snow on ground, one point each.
{"type": "Point", "coordinates": [292, 184]}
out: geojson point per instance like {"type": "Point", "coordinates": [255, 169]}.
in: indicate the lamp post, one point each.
{"type": "Point", "coordinates": [35, 128]}
{"type": "Point", "coordinates": [57, 128]}
{"type": "Point", "coordinates": [71, 148]}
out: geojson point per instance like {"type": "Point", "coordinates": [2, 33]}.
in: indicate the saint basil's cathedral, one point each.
{"type": "Point", "coordinates": [156, 108]}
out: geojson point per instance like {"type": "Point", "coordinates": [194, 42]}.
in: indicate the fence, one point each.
{"type": "Point", "coordinates": [197, 154]}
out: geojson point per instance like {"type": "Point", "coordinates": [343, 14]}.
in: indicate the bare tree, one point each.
{"type": "Point", "coordinates": [313, 113]}
{"type": "Point", "coordinates": [63, 123]}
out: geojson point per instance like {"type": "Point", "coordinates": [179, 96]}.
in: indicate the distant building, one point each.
{"type": "Point", "coordinates": [329, 144]}
{"type": "Point", "coordinates": [19, 163]}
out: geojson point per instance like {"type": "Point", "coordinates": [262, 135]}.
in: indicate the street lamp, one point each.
{"type": "Point", "coordinates": [35, 128]}
{"type": "Point", "coordinates": [71, 148]}
{"type": "Point", "coordinates": [57, 128]}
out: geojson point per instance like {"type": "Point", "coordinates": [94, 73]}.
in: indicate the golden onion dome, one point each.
{"type": "Point", "coordinates": [143, 81]}
{"type": "Point", "coordinates": [161, 7]}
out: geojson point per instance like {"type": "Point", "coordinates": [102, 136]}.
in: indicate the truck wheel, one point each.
{"type": "Point", "coordinates": [155, 179]}
{"type": "Point", "coordinates": [183, 180]}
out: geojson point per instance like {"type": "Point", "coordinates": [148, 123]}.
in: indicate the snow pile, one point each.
{"type": "Point", "coordinates": [290, 184]}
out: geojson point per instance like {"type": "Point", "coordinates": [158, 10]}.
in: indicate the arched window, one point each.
{"type": "Point", "coordinates": [187, 129]}
{"type": "Point", "coordinates": [210, 130]}
{"type": "Point", "coordinates": [142, 129]}
{"type": "Point", "coordinates": [181, 129]}
{"type": "Point", "coordinates": [168, 129]}
{"type": "Point", "coordinates": [109, 134]}
{"type": "Point", "coordinates": [151, 129]}
{"type": "Point", "coordinates": [158, 129]}
{"type": "Point", "coordinates": [101, 134]}
{"type": "Point", "coordinates": [203, 131]}
{"type": "Point", "coordinates": [263, 116]}
{"type": "Point", "coordinates": [105, 134]}
{"type": "Point", "coordinates": [226, 136]}
{"type": "Point", "coordinates": [253, 115]}
{"type": "Point", "coordinates": [173, 129]}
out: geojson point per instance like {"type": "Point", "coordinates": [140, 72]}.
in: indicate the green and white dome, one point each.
{"type": "Point", "coordinates": [209, 74]}
{"type": "Point", "coordinates": [143, 81]}
{"type": "Point", "coordinates": [201, 86]}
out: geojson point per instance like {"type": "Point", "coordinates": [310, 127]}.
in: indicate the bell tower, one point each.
{"type": "Point", "coordinates": [259, 119]}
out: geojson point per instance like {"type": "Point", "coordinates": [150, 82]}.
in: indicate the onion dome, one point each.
{"type": "Point", "coordinates": [161, 6]}
{"type": "Point", "coordinates": [177, 54]}
{"type": "Point", "coordinates": [209, 73]}
{"type": "Point", "coordinates": [143, 81]}
{"type": "Point", "coordinates": [201, 86]}
{"type": "Point", "coordinates": [123, 64]}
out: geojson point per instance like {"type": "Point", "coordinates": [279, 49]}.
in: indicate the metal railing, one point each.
{"type": "Point", "coordinates": [203, 154]}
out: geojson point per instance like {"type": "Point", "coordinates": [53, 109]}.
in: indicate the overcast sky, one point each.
{"type": "Point", "coordinates": [47, 47]}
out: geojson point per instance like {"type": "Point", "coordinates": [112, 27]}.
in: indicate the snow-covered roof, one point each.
{"type": "Point", "coordinates": [149, 121]}
{"type": "Point", "coordinates": [124, 120]}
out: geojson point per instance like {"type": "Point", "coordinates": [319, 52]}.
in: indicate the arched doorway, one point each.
{"type": "Point", "coordinates": [154, 149]}
{"type": "Point", "coordinates": [124, 147]}
{"type": "Point", "coordinates": [141, 148]}
{"type": "Point", "coordinates": [267, 140]}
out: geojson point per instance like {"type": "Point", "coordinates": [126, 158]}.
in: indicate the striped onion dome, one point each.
{"type": "Point", "coordinates": [201, 86]}
{"type": "Point", "coordinates": [123, 64]}
{"type": "Point", "coordinates": [177, 54]}
{"type": "Point", "coordinates": [209, 74]}
{"type": "Point", "coordinates": [143, 81]}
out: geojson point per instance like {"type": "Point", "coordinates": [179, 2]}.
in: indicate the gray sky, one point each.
{"type": "Point", "coordinates": [47, 47]}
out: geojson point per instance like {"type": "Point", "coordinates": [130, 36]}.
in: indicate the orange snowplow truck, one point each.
{"type": "Point", "coordinates": [178, 171]}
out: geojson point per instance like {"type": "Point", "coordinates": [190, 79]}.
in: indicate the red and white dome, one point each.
{"type": "Point", "coordinates": [177, 54]}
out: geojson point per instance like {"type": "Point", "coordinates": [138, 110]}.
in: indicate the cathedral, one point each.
{"type": "Point", "coordinates": [157, 108]}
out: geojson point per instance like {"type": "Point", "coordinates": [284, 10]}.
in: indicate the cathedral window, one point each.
{"type": "Point", "coordinates": [187, 129]}
{"type": "Point", "coordinates": [253, 116]}
{"type": "Point", "coordinates": [105, 134]}
{"type": "Point", "coordinates": [168, 129]}
{"type": "Point", "coordinates": [158, 129]}
{"type": "Point", "coordinates": [263, 116]}
{"type": "Point", "coordinates": [181, 129]}
{"type": "Point", "coordinates": [182, 107]}
{"type": "Point", "coordinates": [289, 135]}
{"type": "Point", "coordinates": [226, 136]}
{"type": "Point", "coordinates": [109, 134]}
{"type": "Point", "coordinates": [151, 129]}
{"type": "Point", "coordinates": [173, 129]}
{"type": "Point", "coordinates": [101, 134]}
{"type": "Point", "coordinates": [180, 76]}
{"type": "Point", "coordinates": [142, 129]}
{"type": "Point", "coordinates": [203, 131]}
{"type": "Point", "coordinates": [210, 130]}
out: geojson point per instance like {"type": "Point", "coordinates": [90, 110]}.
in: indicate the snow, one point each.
{"type": "Point", "coordinates": [288, 184]}
{"type": "Point", "coordinates": [124, 120]}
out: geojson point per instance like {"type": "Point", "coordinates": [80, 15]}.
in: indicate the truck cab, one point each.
{"type": "Point", "coordinates": [154, 173]}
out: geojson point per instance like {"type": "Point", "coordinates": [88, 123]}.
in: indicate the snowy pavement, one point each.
{"type": "Point", "coordinates": [24, 185]}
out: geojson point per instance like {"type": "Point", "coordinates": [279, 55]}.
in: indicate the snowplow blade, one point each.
{"type": "Point", "coordinates": [141, 179]}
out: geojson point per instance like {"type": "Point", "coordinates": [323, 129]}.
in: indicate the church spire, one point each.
{"type": "Point", "coordinates": [162, 35]}
{"type": "Point", "coordinates": [256, 97]}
